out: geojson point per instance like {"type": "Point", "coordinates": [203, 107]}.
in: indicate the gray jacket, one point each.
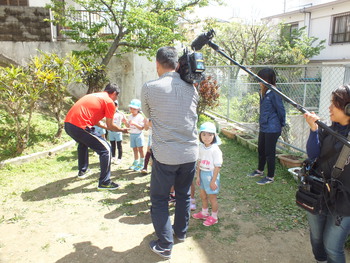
{"type": "Point", "coordinates": [171, 105]}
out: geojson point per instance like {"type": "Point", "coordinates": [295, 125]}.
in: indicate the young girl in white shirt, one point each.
{"type": "Point", "coordinates": [116, 138]}
{"type": "Point", "coordinates": [136, 125]}
{"type": "Point", "coordinates": [207, 173]}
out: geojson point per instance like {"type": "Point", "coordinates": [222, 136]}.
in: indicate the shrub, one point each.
{"type": "Point", "coordinates": [208, 95]}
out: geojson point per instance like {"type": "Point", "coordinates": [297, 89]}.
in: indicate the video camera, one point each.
{"type": "Point", "coordinates": [191, 67]}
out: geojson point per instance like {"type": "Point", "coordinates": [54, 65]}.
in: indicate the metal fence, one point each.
{"type": "Point", "coordinates": [89, 19]}
{"type": "Point", "coordinates": [308, 86]}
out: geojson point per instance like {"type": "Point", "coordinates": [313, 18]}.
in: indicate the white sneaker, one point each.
{"type": "Point", "coordinates": [193, 206]}
{"type": "Point", "coordinates": [85, 174]}
{"type": "Point", "coordinates": [113, 160]}
{"type": "Point", "coordinates": [118, 161]}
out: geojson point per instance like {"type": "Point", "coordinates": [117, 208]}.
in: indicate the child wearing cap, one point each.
{"type": "Point", "coordinates": [207, 173]}
{"type": "Point", "coordinates": [116, 138]}
{"type": "Point", "coordinates": [100, 130]}
{"type": "Point", "coordinates": [136, 124]}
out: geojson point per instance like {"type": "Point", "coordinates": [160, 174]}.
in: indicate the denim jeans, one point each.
{"type": "Point", "coordinates": [328, 239]}
{"type": "Point", "coordinates": [89, 139]}
{"type": "Point", "coordinates": [163, 177]}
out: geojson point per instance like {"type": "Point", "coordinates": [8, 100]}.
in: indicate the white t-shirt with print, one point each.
{"type": "Point", "coordinates": [209, 157]}
{"type": "Point", "coordinates": [139, 120]}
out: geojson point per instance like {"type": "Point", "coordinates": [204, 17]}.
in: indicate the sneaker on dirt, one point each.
{"type": "Point", "coordinates": [110, 186]}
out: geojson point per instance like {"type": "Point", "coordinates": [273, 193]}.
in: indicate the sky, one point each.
{"type": "Point", "coordinates": [249, 9]}
{"type": "Point", "coordinates": [254, 9]}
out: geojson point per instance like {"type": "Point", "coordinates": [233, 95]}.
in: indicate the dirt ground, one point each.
{"type": "Point", "coordinates": [67, 220]}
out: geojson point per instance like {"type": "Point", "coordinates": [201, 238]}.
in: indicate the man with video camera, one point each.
{"type": "Point", "coordinates": [171, 104]}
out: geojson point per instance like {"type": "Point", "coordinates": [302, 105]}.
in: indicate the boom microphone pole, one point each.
{"type": "Point", "coordinates": [205, 38]}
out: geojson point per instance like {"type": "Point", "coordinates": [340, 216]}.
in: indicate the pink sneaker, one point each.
{"type": "Point", "coordinates": [200, 216]}
{"type": "Point", "coordinates": [210, 221]}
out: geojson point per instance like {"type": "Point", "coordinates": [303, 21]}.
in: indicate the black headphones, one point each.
{"type": "Point", "coordinates": [347, 106]}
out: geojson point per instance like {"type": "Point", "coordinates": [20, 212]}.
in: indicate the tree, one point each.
{"type": "Point", "coordinates": [133, 25]}
{"type": "Point", "coordinates": [259, 44]}
{"type": "Point", "coordinates": [21, 88]}
{"type": "Point", "coordinates": [240, 42]}
{"type": "Point", "coordinates": [55, 74]}
{"type": "Point", "coordinates": [254, 44]}
{"type": "Point", "coordinates": [19, 94]}
{"type": "Point", "coordinates": [247, 109]}
{"type": "Point", "coordinates": [289, 49]}
{"type": "Point", "coordinates": [93, 75]}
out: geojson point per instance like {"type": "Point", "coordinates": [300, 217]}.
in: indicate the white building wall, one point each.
{"type": "Point", "coordinates": [321, 27]}
{"type": "Point", "coordinates": [291, 5]}
{"type": "Point", "coordinates": [130, 71]}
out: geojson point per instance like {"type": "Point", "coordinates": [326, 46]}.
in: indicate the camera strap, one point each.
{"type": "Point", "coordinates": [343, 157]}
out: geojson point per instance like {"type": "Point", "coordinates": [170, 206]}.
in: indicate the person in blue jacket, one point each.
{"type": "Point", "coordinates": [271, 120]}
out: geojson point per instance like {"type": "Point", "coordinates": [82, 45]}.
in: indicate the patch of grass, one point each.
{"type": "Point", "coordinates": [270, 207]}
{"type": "Point", "coordinates": [126, 204]}
{"type": "Point", "coordinates": [199, 235]}
{"type": "Point", "coordinates": [15, 219]}
{"type": "Point", "coordinates": [42, 131]}
{"type": "Point", "coordinates": [230, 240]}
{"type": "Point", "coordinates": [103, 227]}
{"type": "Point", "coordinates": [232, 226]}
{"type": "Point", "coordinates": [108, 202]}
{"type": "Point", "coordinates": [45, 247]}
{"type": "Point", "coordinates": [88, 198]}
{"type": "Point", "coordinates": [131, 186]}
{"type": "Point", "coordinates": [231, 233]}
{"type": "Point", "coordinates": [275, 202]}
{"type": "Point", "coordinates": [61, 240]}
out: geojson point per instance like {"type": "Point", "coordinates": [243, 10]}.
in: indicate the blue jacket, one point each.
{"type": "Point", "coordinates": [272, 113]}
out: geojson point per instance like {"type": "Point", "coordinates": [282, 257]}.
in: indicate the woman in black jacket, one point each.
{"type": "Point", "coordinates": [330, 228]}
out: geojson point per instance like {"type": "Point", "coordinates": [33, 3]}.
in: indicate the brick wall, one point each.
{"type": "Point", "coordinates": [24, 24]}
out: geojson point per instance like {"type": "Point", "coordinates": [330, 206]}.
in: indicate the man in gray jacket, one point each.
{"type": "Point", "coordinates": [171, 104]}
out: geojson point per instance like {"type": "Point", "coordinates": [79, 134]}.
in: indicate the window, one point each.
{"type": "Point", "coordinates": [293, 28]}
{"type": "Point", "coordinates": [14, 2]}
{"type": "Point", "coordinates": [290, 32]}
{"type": "Point", "coordinates": [341, 29]}
{"type": "Point", "coordinates": [289, 29]}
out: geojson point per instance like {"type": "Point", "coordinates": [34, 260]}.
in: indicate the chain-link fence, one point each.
{"type": "Point", "coordinates": [308, 86]}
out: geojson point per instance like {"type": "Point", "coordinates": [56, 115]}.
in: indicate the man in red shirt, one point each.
{"type": "Point", "coordinates": [79, 122]}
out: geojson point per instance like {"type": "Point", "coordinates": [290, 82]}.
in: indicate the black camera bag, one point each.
{"type": "Point", "coordinates": [310, 194]}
